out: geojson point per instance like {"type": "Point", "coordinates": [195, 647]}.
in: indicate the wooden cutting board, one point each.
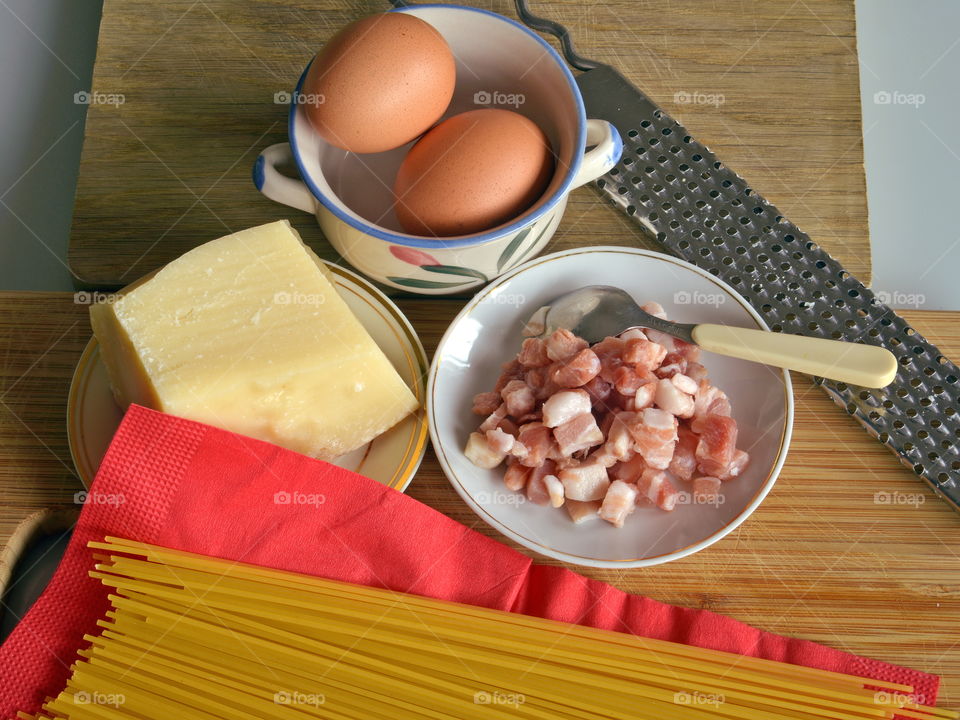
{"type": "Point", "coordinates": [849, 549]}
{"type": "Point", "coordinates": [771, 85]}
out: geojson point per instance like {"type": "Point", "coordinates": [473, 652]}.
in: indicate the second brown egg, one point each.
{"type": "Point", "coordinates": [472, 172]}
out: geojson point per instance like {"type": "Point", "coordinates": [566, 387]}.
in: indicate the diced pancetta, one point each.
{"type": "Point", "coordinates": [578, 433]}
{"type": "Point", "coordinates": [518, 397]}
{"type": "Point", "coordinates": [563, 344]}
{"type": "Point", "coordinates": [581, 512]}
{"type": "Point", "coordinates": [533, 353]}
{"type": "Point", "coordinates": [620, 501]}
{"type": "Point", "coordinates": [516, 476]}
{"type": "Point", "coordinates": [588, 481]}
{"type": "Point", "coordinates": [479, 452]}
{"type": "Point", "coordinates": [486, 403]}
{"type": "Point", "coordinates": [670, 398]}
{"type": "Point", "coordinates": [654, 435]}
{"type": "Point", "coordinates": [717, 444]}
{"type": "Point", "coordinates": [537, 442]}
{"type": "Point", "coordinates": [578, 370]}
{"type": "Point", "coordinates": [564, 406]}
{"type": "Point", "coordinates": [684, 462]}
{"type": "Point", "coordinates": [601, 429]}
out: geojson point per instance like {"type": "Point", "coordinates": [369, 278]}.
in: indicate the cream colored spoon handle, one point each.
{"type": "Point", "coordinates": [855, 363]}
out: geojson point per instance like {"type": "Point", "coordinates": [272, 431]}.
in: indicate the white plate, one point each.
{"type": "Point", "coordinates": [488, 332]}
{"type": "Point", "coordinates": [391, 458]}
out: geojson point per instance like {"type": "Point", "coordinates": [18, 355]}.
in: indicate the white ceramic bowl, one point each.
{"type": "Point", "coordinates": [500, 63]}
{"type": "Point", "coordinates": [488, 332]}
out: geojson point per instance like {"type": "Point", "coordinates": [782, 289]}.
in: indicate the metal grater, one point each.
{"type": "Point", "coordinates": [698, 209]}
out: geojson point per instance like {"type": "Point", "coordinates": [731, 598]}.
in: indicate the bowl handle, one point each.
{"type": "Point", "coordinates": [279, 187]}
{"type": "Point", "coordinates": [605, 153]}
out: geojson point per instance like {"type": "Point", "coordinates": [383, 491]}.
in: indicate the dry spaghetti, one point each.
{"type": "Point", "coordinates": [194, 636]}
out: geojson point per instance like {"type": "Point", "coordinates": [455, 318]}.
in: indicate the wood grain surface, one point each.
{"type": "Point", "coordinates": [771, 85]}
{"type": "Point", "coordinates": [849, 549]}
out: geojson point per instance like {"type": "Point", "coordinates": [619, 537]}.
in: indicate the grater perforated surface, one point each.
{"type": "Point", "coordinates": [702, 211]}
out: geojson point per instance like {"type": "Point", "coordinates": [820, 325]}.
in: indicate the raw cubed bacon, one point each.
{"type": "Point", "coordinates": [670, 398]}
{"type": "Point", "coordinates": [696, 372]}
{"type": "Point", "coordinates": [673, 363]}
{"type": "Point", "coordinates": [610, 347]}
{"type": "Point", "coordinates": [740, 460]}
{"type": "Point", "coordinates": [578, 370]}
{"type": "Point", "coordinates": [617, 402]}
{"type": "Point", "coordinates": [500, 441]}
{"type": "Point", "coordinates": [626, 380]}
{"type": "Point", "coordinates": [644, 354]}
{"type": "Point", "coordinates": [717, 445]}
{"type": "Point", "coordinates": [606, 422]}
{"type": "Point", "coordinates": [645, 395]}
{"type": "Point", "coordinates": [581, 512]}
{"type": "Point", "coordinates": [684, 462]}
{"type": "Point", "coordinates": [564, 406]}
{"type": "Point", "coordinates": [629, 470]}
{"type": "Point", "coordinates": [579, 433]}
{"type": "Point", "coordinates": [685, 383]}
{"type": "Point", "coordinates": [533, 353]}
{"type": "Point", "coordinates": [602, 457]}
{"type": "Point", "coordinates": [541, 381]}
{"type": "Point", "coordinates": [655, 309]}
{"type": "Point", "coordinates": [511, 371]}
{"type": "Point", "coordinates": [600, 429]}
{"type": "Point", "coordinates": [689, 351]}
{"type": "Point", "coordinates": [535, 378]}
{"type": "Point", "coordinates": [486, 403]}
{"type": "Point", "coordinates": [656, 488]}
{"type": "Point", "coordinates": [494, 419]}
{"type": "Point", "coordinates": [619, 440]}
{"type": "Point", "coordinates": [518, 397]}
{"type": "Point", "coordinates": [654, 435]}
{"type": "Point", "coordinates": [609, 365]}
{"type": "Point", "coordinates": [479, 452]}
{"type": "Point", "coordinates": [516, 476]}
{"type": "Point", "coordinates": [554, 490]}
{"type": "Point", "coordinates": [648, 485]}
{"type": "Point", "coordinates": [537, 490]}
{"type": "Point", "coordinates": [661, 338]}
{"type": "Point", "coordinates": [620, 501]}
{"type": "Point", "coordinates": [709, 400]}
{"type": "Point", "coordinates": [669, 496]}
{"type": "Point", "coordinates": [705, 489]}
{"type": "Point", "coordinates": [563, 344]}
{"type": "Point", "coordinates": [588, 481]}
{"type": "Point", "coordinates": [537, 442]}
{"type": "Point", "coordinates": [632, 334]}
{"type": "Point", "coordinates": [565, 461]}
{"type": "Point", "coordinates": [599, 390]}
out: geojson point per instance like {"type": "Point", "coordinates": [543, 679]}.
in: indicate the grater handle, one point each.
{"type": "Point", "coordinates": [854, 363]}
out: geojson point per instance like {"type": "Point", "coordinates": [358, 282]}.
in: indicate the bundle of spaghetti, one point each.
{"type": "Point", "coordinates": [199, 637]}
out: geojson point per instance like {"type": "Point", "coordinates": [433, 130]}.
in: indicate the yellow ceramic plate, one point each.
{"type": "Point", "coordinates": [391, 458]}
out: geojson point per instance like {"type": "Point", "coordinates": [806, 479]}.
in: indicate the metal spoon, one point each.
{"type": "Point", "coordinates": [598, 311]}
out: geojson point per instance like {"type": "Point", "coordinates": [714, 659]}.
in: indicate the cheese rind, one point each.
{"type": "Point", "coordinates": [248, 333]}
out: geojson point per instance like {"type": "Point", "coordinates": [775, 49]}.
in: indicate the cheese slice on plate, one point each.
{"type": "Point", "coordinates": [248, 333]}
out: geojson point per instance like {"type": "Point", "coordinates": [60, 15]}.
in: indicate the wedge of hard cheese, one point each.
{"type": "Point", "coordinates": [249, 334]}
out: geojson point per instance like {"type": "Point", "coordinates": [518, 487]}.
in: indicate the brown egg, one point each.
{"type": "Point", "coordinates": [379, 83]}
{"type": "Point", "coordinates": [472, 172]}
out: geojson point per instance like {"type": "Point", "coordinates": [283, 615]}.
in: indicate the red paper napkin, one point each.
{"type": "Point", "coordinates": [189, 486]}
